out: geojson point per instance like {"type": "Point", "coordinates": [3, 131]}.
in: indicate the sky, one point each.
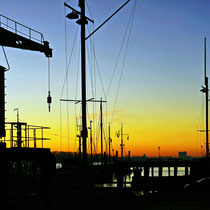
{"type": "Point", "coordinates": [159, 101]}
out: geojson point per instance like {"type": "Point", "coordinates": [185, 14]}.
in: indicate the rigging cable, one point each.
{"type": "Point", "coordinates": [94, 54]}
{"type": "Point", "coordinates": [130, 22]}
{"type": "Point", "coordinates": [67, 86]}
{"type": "Point", "coordinates": [115, 67]}
{"type": "Point", "coordinates": [93, 80]}
{"type": "Point", "coordinates": [200, 122]}
{"type": "Point", "coordinates": [67, 71]}
{"type": "Point", "coordinates": [75, 105]}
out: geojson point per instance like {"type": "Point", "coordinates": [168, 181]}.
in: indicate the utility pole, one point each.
{"type": "Point", "coordinates": [206, 91]}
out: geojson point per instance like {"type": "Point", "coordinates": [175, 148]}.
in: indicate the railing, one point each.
{"type": "Point", "coordinates": [21, 29]}
{"type": "Point", "coordinates": [20, 134]}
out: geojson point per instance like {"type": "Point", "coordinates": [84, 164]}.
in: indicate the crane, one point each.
{"type": "Point", "coordinates": [17, 35]}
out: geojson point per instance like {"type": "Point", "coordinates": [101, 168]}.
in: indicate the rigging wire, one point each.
{"type": "Point", "coordinates": [115, 67]}
{"type": "Point", "coordinates": [93, 65]}
{"type": "Point", "coordinates": [200, 123]}
{"type": "Point", "coordinates": [67, 72]}
{"type": "Point", "coordinates": [130, 22]}
{"type": "Point", "coordinates": [68, 62]}
{"type": "Point", "coordinates": [94, 54]}
{"type": "Point", "coordinates": [67, 86]}
{"type": "Point", "coordinates": [76, 89]}
{"type": "Point", "coordinates": [91, 77]}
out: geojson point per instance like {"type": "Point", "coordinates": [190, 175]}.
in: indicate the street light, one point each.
{"type": "Point", "coordinates": [73, 15]}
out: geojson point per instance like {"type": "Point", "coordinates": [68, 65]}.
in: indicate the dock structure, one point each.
{"type": "Point", "coordinates": [153, 174]}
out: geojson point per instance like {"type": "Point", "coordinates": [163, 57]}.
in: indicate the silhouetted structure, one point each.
{"type": "Point", "coordinates": [23, 169]}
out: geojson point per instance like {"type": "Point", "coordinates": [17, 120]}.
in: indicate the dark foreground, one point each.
{"type": "Point", "coordinates": [73, 188]}
{"type": "Point", "coordinates": [80, 198]}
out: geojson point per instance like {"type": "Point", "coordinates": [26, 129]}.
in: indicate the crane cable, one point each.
{"type": "Point", "coordinates": [49, 98]}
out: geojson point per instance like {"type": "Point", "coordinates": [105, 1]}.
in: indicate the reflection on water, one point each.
{"type": "Point", "coordinates": [166, 171]}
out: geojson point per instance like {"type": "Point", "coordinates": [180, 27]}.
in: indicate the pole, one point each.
{"type": "Point", "coordinates": [207, 99]}
{"type": "Point", "coordinates": [122, 141]}
{"type": "Point", "coordinates": [91, 143]}
{"type": "Point", "coordinates": [82, 22]}
{"type": "Point", "coordinates": [101, 132]}
{"type": "Point", "coordinates": [109, 146]}
{"type": "Point", "coordinates": [2, 102]}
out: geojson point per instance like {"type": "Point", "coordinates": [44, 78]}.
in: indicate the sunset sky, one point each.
{"type": "Point", "coordinates": [159, 100]}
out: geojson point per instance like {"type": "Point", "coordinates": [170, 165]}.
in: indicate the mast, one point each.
{"type": "Point", "coordinates": [91, 143]}
{"type": "Point", "coordinates": [206, 91]}
{"type": "Point", "coordinates": [207, 99]}
{"type": "Point", "coordinates": [109, 144]}
{"type": "Point", "coordinates": [122, 145]}
{"type": "Point", "coordinates": [101, 131]}
{"type": "Point", "coordinates": [83, 22]}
